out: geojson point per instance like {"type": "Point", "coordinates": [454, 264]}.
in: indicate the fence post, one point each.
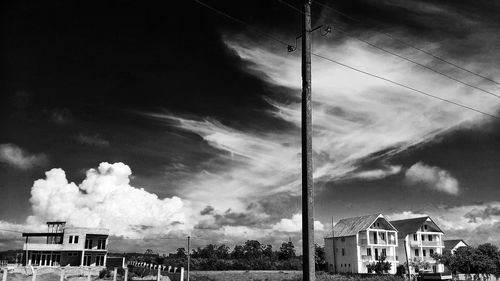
{"type": "Point", "coordinates": [62, 274]}
{"type": "Point", "coordinates": [125, 278]}
{"type": "Point", "coordinates": [115, 272]}
{"type": "Point", "coordinates": [182, 273]}
{"type": "Point", "coordinates": [4, 275]}
{"type": "Point", "coordinates": [159, 274]}
{"type": "Point", "coordinates": [34, 274]}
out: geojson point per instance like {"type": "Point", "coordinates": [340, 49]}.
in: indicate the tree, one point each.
{"type": "Point", "coordinates": [381, 266]}
{"type": "Point", "coordinates": [319, 257]}
{"type": "Point", "coordinates": [252, 249]}
{"type": "Point", "coordinates": [238, 252]}
{"type": "Point", "coordinates": [181, 253]}
{"type": "Point", "coordinates": [267, 251]}
{"type": "Point", "coordinates": [222, 252]}
{"type": "Point", "coordinates": [418, 264]}
{"type": "Point", "coordinates": [287, 251]}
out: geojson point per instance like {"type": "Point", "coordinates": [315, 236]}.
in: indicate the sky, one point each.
{"type": "Point", "coordinates": [158, 119]}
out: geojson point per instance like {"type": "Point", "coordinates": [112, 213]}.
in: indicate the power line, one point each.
{"type": "Point", "coordinates": [350, 67]}
{"type": "Point", "coordinates": [402, 57]}
{"type": "Point", "coordinates": [409, 44]}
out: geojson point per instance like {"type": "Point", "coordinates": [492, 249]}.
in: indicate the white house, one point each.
{"type": "Point", "coordinates": [359, 241]}
{"type": "Point", "coordinates": [61, 245]}
{"type": "Point", "coordinates": [419, 238]}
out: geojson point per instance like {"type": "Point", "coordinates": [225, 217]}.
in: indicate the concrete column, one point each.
{"type": "Point", "coordinates": [62, 275]}
{"type": "Point", "coordinates": [4, 275]}
{"type": "Point", "coordinates": [33, 278]}
{"type": "Point", "coordinates": [83, 255]}
{"type": "Point", "coordinates": [182, 274]}
{"type": "Point", "coordinates": [169, 267]}
{"type": "Point", "coordinates": [159, 274]}
{"type": "Point", "coordinates": [115, 273]}
{"type": "Point", "coordinates": [125, 278]}
{"type": "Point", "coordinates": [105, 259]}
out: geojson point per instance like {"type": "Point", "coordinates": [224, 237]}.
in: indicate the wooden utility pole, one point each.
{"type": "Point", "coordinates": [189, 257]}
{"type": "Point", "coordinates": [308, 262]}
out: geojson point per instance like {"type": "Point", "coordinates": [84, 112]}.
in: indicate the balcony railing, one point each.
{"type": "Point", "coordinates": [431, 243]}
{"type": "Point", "coordinates": [43, 247]}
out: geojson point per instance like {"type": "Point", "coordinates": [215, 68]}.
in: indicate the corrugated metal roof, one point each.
{"type": "Point", "coordinates": [351, 226]}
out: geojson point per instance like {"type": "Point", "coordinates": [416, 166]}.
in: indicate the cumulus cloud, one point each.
{"type": "Point", "coordinates": [105, 198]}
{"type": "Point", "coordinates": [16, 156]}
{"type": "Point", "coordinates": [92, 140]}
{"type": "Point", "coordinates": [433, 178]}
{"type": "Point", "coordinates": [294, 224]}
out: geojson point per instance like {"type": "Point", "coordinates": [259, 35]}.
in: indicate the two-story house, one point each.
{"type": "Point", "coordinates": [359, 241]}
{"type": "Point", "coordinates": [62, 245]}
{"type": "Point", "coordinates": [419, 238]}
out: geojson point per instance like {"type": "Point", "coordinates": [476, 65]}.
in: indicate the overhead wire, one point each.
{"type": "Point", "coordinates": [348, 66]}
{"type": "Point", "coordinates": [347, 34]}
{"type": "Point", "coordinates": [409, 44]}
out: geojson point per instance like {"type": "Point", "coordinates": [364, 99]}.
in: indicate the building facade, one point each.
{"type": "Point", "coordinates": [62, 246]}
{"type": "Point", "coordinates": [360, 241]}
{"type": "Point", "coordinates": [419, 239]}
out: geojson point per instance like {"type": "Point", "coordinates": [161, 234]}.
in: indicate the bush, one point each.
{"type": "Point", "coordinates": [104, 273]}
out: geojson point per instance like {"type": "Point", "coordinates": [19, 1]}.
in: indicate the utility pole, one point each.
{"type": "Point", "coordinates": [308, 263]}
{"type": "Point", "coordinates": [189, 257]}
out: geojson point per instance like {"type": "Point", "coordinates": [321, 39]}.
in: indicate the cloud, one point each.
{"type": "Point", "coordinates": [475, 223]}
{"type": "Point", "coordinates": [105, 198]}
{"type": "Point", "coordinates": [377, 173]}
{"type": "Point", "coordinates": [19, 158]}
{"type": "Point", "coordinates": [433, 178]}
{"type": "Point", "coordinates": [92, 140]}
{"type": "Point", "coordinates": [60, 116]}
{"type": "Point", "coordinates": [294, 224]}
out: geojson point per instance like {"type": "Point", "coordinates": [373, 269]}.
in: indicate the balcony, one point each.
{"type": "Point", "coordinates": [42, 247]}
{"type": "Point", "coordinates": [431, 244]}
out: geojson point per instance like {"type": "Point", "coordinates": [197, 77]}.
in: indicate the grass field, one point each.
{"type": "Point", "coordinates": [276, 275]}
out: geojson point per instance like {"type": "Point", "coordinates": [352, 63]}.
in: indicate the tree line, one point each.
{"type": "Point", "coordinates": [252, 255]}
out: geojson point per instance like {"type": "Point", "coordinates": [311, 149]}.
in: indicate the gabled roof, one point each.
{"type": "Point", "coordinates": [408, 226]}
{"type": "Point", "coordinates": [351, 226]}
{"type": "Point", "coordinates": [452, 243]}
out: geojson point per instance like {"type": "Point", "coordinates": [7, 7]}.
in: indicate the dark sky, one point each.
{"type": "Point", "coordinates": [197, 106]}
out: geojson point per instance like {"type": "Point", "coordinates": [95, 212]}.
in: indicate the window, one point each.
{"type": "Point", "coordinates": [416, 252]}
{"type": "Point", "coordinates": [75, 240]}
{"type": "Point", "coordinates": [70, 239]}
{"type": "Point", "coordinates": [88, 243]}
{"type": "Point", "coordinates": [382, 236]}
{"type": "Point", "coordinates": [423, 237]}
{"type": "Point", "coordinates": [424, 253]}
{"type": "Point", "coordinates": [341, 265]}
{"type": "Point", "coordinates": [431, 252]}
{"type": "Point", "coordinates": [101, 244]}
{"type": "Point", "coordinates": [430, 237]}
{"type": "Point", "coordinates": [425, 227]}
{"type": "Point", "coordinates": [99, 260]}
{"type": "Point", "coordinates": [415, 237]}
{"type": "Point", "coordinates": [368, 251]}
{"type": "Point", "coordinates": [349, 265]}
{"type": "Point", "coordinates": [384, 253]}
{"type": "Point", "coordinates": [343, 251]}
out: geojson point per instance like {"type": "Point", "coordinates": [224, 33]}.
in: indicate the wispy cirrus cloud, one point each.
{"type": "Point", "coordinates": [16, 156]}
{"type": "Point", "coordinates": [92, 140]}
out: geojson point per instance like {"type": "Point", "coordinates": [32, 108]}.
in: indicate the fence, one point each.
{"type": "Point", "coordinates": [158, 270]}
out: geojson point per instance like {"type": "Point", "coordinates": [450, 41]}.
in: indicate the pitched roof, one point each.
{"type": "Point", "coordinates": [408, 226]}
{"type": "Point", "coordinates": [450, 244]}
{"type": "Point", "coordinates": [351, 226]}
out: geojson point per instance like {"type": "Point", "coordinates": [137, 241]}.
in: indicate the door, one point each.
{"type": "Point", "coordinates": [376, 254]}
